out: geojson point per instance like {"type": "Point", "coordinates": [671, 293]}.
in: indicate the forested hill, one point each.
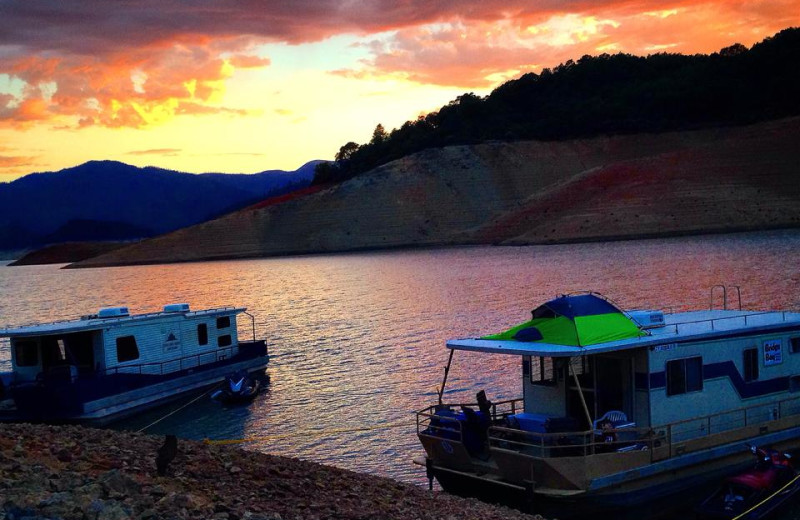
{"type": "Point", "coordinates": [606, 94]}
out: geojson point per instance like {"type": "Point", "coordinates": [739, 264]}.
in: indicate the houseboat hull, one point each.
{"type": "Point", "coordinates": [516, 480]}
{"type": "Point", "coordinates": [675, 503]}
{"type": "Point", "coordinates": [105, 399]}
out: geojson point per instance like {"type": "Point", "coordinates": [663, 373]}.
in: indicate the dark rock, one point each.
{"type": "Point", "coordinates": [166, 453]}
{"type": "Point", "coordinates": [119, 482]}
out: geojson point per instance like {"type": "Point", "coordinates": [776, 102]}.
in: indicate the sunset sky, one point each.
{"type": "Point", "coordinates": [247, 85]}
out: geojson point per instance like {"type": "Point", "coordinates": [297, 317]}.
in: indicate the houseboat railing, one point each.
{"type": "Point", "coordinates": [201, 312]}
{"type": "Point", "coordinates": [429, 420]}
{"type": "Point", "coordinates": [174, 365]}
{"type": "Point", "coordinates": [95, 319]}
{"type": "Point", "coordinates": [252, 322]}
{"type": "Point", "coordinates": [725, 295]}
{"type": "Point", "coordinates": [714, 323]}
{"type": "Point", "coordinates": [662, 442]}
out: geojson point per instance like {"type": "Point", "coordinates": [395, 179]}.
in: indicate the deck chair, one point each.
{"type": "Point", "coordinates": [615, 416]}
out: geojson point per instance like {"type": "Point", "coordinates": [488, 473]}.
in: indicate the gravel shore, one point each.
{"type": "Point", "coordinates": [72, 472]}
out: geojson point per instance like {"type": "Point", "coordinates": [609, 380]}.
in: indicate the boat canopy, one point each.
{"type": "Point", "coordinates": [574, 320]}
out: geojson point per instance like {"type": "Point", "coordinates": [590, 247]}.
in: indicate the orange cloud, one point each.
{"type": "Point", "coordinates": [15, 164]}
{"type": "Point", "coordinates": [135, 89]}
{"type": "Point", "coordinates": [248, 62]}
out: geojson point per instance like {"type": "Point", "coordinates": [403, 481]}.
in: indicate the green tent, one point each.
{"type": "Point", "coordinates": [576, 320]}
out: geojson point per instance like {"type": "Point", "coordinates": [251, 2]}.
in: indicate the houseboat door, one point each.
{"type": "Point", "coordinates": [606, 384]}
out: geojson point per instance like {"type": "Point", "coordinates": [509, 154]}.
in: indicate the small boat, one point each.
{"type": "Point", "coordinates": [104, 366]}
{"type": "Point", "coordinates": [756, 493]}
{"type": "Point", "coordinates": [238, 387]}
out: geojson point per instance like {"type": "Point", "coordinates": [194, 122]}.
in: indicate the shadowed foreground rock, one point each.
{"type": "Point", "coordinates": [72, 472]}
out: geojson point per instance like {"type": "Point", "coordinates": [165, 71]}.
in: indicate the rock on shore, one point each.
{"type": "Point", "coordinates": [73, 472]}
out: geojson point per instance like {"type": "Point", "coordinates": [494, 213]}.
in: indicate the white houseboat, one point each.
{"type": "Point", "coordinates": [110, 364]}
{"type": "Point", "coordinates": [620, 408]}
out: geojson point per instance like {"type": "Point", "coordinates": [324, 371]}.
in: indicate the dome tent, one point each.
{"type": "Point", "coordinates": [575, 320]}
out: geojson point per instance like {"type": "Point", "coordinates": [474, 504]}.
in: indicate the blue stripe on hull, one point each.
{"type": "Point", "coordinates": [719, 370]}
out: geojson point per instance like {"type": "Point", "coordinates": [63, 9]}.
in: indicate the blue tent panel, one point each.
{"type": "Point", "coordinates": [528, 334]}
{"type": "Point", "coordinates": [580, 305]}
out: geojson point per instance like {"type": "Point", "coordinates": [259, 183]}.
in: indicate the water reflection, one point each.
{"type": "Point", "coordinates": [358, 339]}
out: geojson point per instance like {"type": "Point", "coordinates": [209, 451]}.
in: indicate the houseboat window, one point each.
{"type": "Point", "coordinates": [794, 345]}
{"type": "Point", "coordinates": [580, 365]}
{"type": "Point", "coordinates": [684, 375]}
{"type": "Point", "coordinates": [750, 364]}
{"type": "Point", "coordinates": [542, 371]}
{"type": "Point", "coordinates": [127, 349]}
{"type": "Point", "coordinates": [202, 334]}
{"type": "Point", "coordinates": [224, 341]}
{"type": "Point", "coordinates": [794, 384]}
{"type": "Point", "coordinates": [223, 322]}
{"type": "Point", "coordinates": [26, 353]}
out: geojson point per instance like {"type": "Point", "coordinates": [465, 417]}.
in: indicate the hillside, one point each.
{"type": "Point", "coordinates": [108, 200]}
{"type": "Point", "coordinates": [602, 95]}
{"type": "Point", "coordinates": [66, 252]}
{"type": "Point", "coordinates": [522, 192]}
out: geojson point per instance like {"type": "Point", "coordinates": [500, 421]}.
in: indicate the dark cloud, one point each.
{"type": "Point", "coordinates": [130, 63]}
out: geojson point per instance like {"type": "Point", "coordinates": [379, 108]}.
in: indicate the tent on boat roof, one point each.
{"type": "Point", "coordinates": [576, 320]}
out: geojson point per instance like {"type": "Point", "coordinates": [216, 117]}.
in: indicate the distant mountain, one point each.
{"type": "Point", "coordinates": [94, 230]}
{"type": "Point", "coordinates": [108, 200]}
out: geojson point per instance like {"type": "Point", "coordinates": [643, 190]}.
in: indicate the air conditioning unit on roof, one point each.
{"type": "Point", "coordinates": [176, 307]}
{"type": "Point", "coordinates": [112, 312]}
{"type": "Point", "coordinates": [647, 319]}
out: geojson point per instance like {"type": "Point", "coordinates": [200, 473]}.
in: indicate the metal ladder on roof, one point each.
{"type": "Point", "coordinates": [725, 296]}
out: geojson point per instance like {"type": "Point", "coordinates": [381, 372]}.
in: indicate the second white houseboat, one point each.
{"type": "Point", "coordinates": [104, 366]}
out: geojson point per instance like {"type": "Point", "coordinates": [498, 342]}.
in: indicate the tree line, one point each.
{"type": "Point", "coordinates": [605, 94]}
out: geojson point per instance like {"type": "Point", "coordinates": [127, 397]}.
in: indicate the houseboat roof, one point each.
{"type": "Point", "coordinates": [110, 319]}
{"type": "Point", "coordinates": [677, 328]}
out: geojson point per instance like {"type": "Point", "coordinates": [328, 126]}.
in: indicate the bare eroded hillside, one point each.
{"type": "Point", "coordinates": [725, 179]}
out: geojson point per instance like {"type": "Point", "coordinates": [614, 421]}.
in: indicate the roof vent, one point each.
{"type": "Point", "coordinates": [647, 319]}
{"type": "Point", "coordinates": [176, 307]}
{"type": "Point", "coordinates": [112, 312]}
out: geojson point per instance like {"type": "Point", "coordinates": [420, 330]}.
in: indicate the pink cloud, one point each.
{"type": "Point", "coordinates": [157, 151]}
{"type": "Point", "coordinates": [480, 54]}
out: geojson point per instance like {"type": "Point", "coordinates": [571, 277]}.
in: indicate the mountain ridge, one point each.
{"type": "Point", "coordinates": [35, 207]}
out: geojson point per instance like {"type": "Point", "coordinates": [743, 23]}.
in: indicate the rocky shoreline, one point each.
{"type": "Point", "coordinates": [73, 472]}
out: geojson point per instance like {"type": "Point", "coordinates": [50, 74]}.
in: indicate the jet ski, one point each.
{"type": "Point", "coordinates": [238, 387]}
{"type": "Point", "coordinates": [756, 493]}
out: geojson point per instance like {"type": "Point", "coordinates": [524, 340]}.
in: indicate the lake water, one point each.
{"type": "Point", "coordinates": [358, 339]}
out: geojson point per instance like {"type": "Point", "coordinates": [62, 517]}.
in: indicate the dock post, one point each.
{"type": "Point", "coordinates": [529, 500]}
{"type": "Point", "coordinates": [429, 472]}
